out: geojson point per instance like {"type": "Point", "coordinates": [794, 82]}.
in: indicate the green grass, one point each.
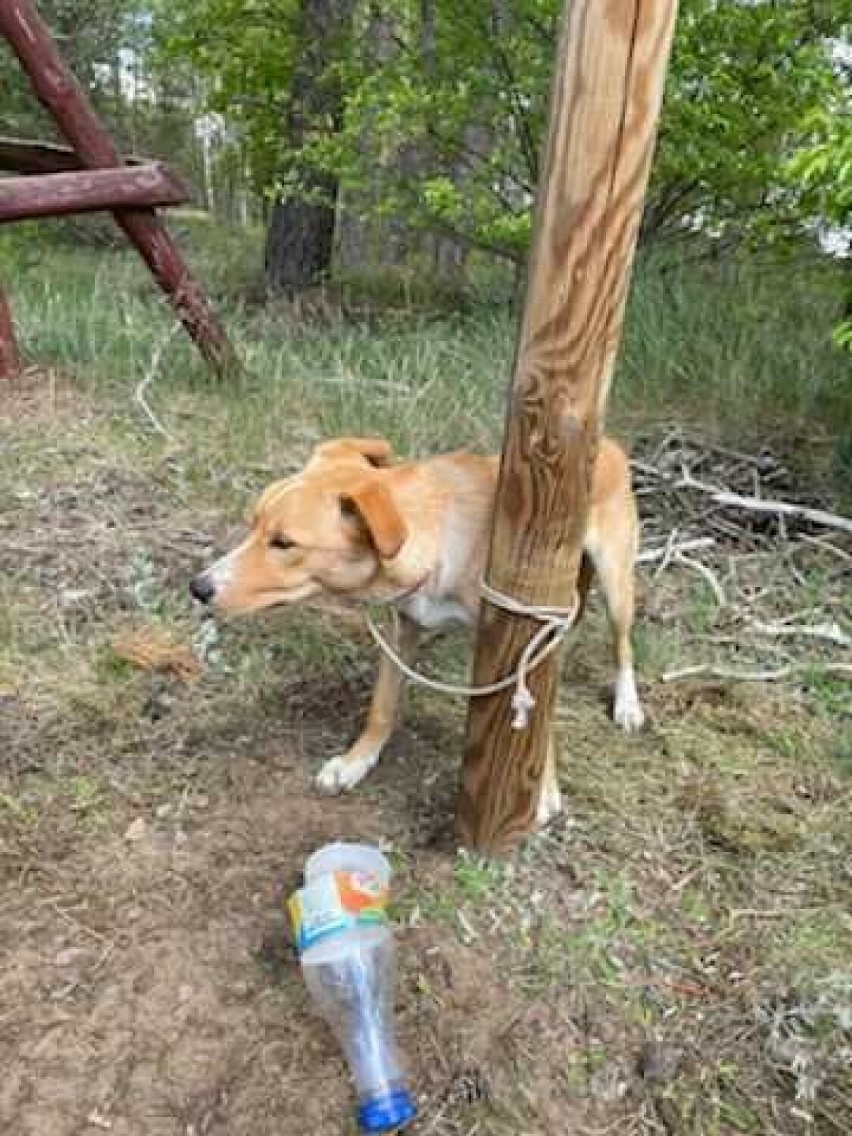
{"type": "Point", "coordinates": [743, 350]}
{"type": "Point", "coordinates": [744, 353]}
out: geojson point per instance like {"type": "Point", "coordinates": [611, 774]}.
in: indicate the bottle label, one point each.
{"type": "Point", "coordinates": [337, 902]}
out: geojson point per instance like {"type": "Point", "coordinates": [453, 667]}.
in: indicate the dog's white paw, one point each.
{"type": "Point", "coordinates": [627, 710]}
{"type": "Point", "coordinates": [340, 774]}
{"type": "Point", "coordinates": [628, 714]}
{"type": "Point", "coordinates": [549, 805]}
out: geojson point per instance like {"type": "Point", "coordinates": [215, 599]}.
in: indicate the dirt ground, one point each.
{"type": "Point", "coordinates": [671, 957]}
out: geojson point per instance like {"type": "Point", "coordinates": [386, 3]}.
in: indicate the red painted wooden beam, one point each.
{"type": "Point", "coordinates": [23, 156]}
{"type": "Point", "coordinates": [84, 191]}
{"type": "Point", "coordinates": [64, 98]}
{"type": "Point", "coordinates": [10, 360]}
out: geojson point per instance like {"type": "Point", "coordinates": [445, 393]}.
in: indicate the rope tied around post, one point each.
{"type": "Point", "coordinates": [555, 622]}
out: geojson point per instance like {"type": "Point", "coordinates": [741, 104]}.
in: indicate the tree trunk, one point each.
{"type": "Point", "coordinates": [299, 243]}
{"type": "Point", "coordinates": [300, 233]}
{"type": "Point", "coordinates": [367, 242]}
{"type": "Point", "coordinates": [362, 238]}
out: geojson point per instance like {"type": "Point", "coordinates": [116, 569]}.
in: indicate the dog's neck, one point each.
{"type": "Point", "coordinates": [442, 562]}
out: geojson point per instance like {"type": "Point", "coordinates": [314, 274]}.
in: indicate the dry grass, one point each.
{"type": "Point", "coordinates": [152, 649]}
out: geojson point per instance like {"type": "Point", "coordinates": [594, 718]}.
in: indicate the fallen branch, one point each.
{"type": "Point", "coordinates": [764, 504]}
{"type": "Point", "coordinates": [831, 632]}
{"type": "Point", "coordinates": [710, 670]}
{"type": "Point", "coordinates": [650, 555]}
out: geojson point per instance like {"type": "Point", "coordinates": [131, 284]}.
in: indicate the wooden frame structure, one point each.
{"type": "Point", "coordinates": [88, 175]}
{"type": "Point", "coordinates": [607, 93]}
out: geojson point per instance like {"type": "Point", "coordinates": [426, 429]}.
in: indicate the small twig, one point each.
{"type": "Point", "coordinates": [821, 542]}
{"type": "Point", "coordinates": [773, 913]}
{"type": "Point", "coordinates": [799, 576]}
{"type": "Point", "coordinates": [65, 914]}
{"type": "Point", "coordinates": [646, 468]}
{"type": "Point", "coordinates": [707, 573]}
{"type": "Point", "coordinates": [758, 460]}
{"type": "Point", "coordinates": [712, 671]}
{"type": "Point", "coordinates": [668, 552]}
{"type": "Point", "coordinates": [737, 641]}
{"type": "Point", "coordinates": [737, 532]}
{"type": "Point", "coordinates": [148, 378]}
{"type": "Point", "coordinates": [650, 555]}
{"type": "Point", "coordinates": [798, 615]}
{"type": "Point", "coordinates": [673, 435]}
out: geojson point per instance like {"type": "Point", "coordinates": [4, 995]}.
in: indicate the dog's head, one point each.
{"type": "Point", "coordinates": [332, 527]}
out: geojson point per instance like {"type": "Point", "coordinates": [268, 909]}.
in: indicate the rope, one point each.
{"type": "Point", "coordinates": [555, 622]}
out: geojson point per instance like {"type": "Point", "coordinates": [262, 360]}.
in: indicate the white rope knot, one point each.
{"type": "Point", "coordinates": [556, 622]}
{"type": "Point", "coordinates": [523, 704]}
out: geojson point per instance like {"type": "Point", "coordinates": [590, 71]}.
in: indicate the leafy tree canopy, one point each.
{"type": "Point", "coordinates": [750, 141]}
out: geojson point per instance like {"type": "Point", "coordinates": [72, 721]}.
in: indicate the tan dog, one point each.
{"type": "Point", "coordinates": [415, 534]}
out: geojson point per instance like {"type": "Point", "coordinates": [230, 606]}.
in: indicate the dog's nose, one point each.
{"type": "Point", "coordinates": [202, 589]}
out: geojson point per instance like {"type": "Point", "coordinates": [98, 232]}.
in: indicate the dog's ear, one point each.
{"type": "Point", "coordinates": [376, 451]}
{"type": "Point", "coordinates": [373, 505]}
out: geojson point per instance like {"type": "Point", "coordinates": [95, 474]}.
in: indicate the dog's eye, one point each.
{"type": "Point", "coordinates": [282, 543]}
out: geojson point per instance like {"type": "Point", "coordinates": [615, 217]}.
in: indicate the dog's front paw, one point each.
{"type": "Point", "coordinates": [627, 710]}
{"type": "Point", "coordinates": [340, 774]}
{"type": "Point", "coordinates": [549, 806]}
{"type": "Point", "coordinates": [628, 714]}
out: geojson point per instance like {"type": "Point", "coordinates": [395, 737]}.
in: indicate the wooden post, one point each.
{"type": "Point", "coordinates": [10, 360]}
{"type": "Point", "coordinates": [605, 104]}
{"type": "Point", "coordinates": [83, 191]}
{"type": "Point", "coordinates": [66, 101]}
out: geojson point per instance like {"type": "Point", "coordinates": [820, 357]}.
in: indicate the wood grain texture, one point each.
{"type": "Point", "coordinates": [65, 100]}
{"type": "Point", "coordinates": [10, 360]}
{"type": "Point", "coordinates": [605, 105]}
{"type": "Point", "coordinates": [85, 191]}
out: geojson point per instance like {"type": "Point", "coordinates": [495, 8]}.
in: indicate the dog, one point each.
{"type": "Point", "coordinates": [415, 534]}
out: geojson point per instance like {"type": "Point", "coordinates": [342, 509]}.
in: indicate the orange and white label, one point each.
{"type": "Point", "coordinates": [337, 902]}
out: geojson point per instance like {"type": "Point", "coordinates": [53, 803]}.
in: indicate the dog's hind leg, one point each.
{"type": "Point", "coordinates": [344, 772]}
{"type": "Point", "coordinates": [550, 801]}
{"type": "Point", "coordinates": [613, 552]}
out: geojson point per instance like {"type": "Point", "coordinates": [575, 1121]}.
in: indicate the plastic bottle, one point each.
{"type": "Point", "coordinates": [342, 857]}
{"type": "Point", "coordinates": [347, 956]}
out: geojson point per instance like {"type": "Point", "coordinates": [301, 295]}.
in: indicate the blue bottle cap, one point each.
{"type": "Point", "coordinates": [388, 1112]}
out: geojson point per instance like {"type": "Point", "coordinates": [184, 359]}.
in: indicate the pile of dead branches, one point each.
{"type": "Point", "coordinates": [776, 567]}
